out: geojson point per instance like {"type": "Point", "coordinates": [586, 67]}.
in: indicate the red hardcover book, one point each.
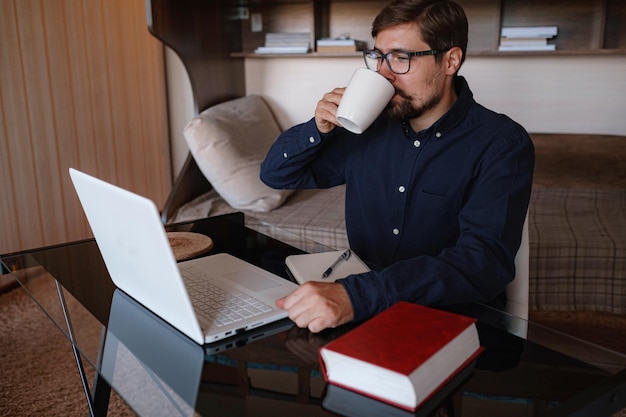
{"type": "Point", "coordinates": [403, 355]}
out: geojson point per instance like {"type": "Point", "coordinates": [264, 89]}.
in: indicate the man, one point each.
{"type": "Point", "coordinates": [437, 188]}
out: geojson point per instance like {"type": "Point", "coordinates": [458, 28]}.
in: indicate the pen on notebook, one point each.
{"type": "Point", "coordinates": [339, 260]}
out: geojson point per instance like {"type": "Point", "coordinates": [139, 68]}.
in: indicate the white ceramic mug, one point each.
{"type": "Point", "coordinates": [366, 96]}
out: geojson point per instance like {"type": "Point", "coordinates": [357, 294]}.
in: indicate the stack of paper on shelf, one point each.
{"type": "Point", "coordinates": [285, 43]}
{"type": "Point", "coordinates": [340, 45]}
{"type": "Point", "coordinates": [527, 38]}
{"type": "Point", "coordinates": [404, 355]}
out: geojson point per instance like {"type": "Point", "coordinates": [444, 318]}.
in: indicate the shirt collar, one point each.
{"type": "Point", "coordinates": [454, 115]}
{"type": "Point", "coordinates": [458, 111]}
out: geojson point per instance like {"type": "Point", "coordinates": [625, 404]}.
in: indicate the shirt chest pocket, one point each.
{"type": "Point", "coordinates": [435, 203]}
{"type": "Point", "coordinates": [436, 217]}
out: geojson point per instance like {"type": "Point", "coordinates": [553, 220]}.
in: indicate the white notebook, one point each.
{"type": "Point", "coordinates": [311, 266]}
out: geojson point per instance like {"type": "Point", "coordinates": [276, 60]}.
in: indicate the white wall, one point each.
{"type": "Point", "coordinates": [293, 86]}
{"type": "Point", "coordinates": [549, 94]}
{"type": "Point", "coordinates": [180, 107]}
{"type": "Point", "coordinates": [546, 94]}
{"type": "Point", "coordinates": [554, 94]}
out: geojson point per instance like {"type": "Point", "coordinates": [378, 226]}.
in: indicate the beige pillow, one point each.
{"type": "Point", "coordinates": [229, 141]}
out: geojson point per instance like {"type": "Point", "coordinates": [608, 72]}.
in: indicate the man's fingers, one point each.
{"type": "Point", "coordinates": [326, 110]}
{"type": "Point", "coordinates": [317, 306]}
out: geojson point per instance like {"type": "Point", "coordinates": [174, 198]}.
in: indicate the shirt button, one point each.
{"type": "Point", "coordinates": [396, 232]}
{"type": "Point", "coordinates": [438, 134]}
{"type": "Point", "coordinates": [417, 143]}
{"type": "Point", "coordinates": [401, 188]}
{"type": "Point", "coordinates": [285, 155]}
{"type": "Point", "coordinates": [312, 139]}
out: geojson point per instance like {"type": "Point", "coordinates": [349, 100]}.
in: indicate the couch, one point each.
{"type": "Point", "coordinates": [577, 223]}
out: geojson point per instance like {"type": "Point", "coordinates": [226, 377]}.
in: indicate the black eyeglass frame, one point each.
{"type": "Point", "coordinates": [410, 54]}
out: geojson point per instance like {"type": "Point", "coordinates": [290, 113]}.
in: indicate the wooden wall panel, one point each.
{"type": "Point", "coordinates": [81, 85]}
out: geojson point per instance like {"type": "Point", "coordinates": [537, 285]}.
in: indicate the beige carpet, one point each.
{"type": "Point", "coordinates": [38, 374]}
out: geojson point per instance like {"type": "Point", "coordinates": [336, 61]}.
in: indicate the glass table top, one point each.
{"type": "Point", "coordinates": [158, 371]}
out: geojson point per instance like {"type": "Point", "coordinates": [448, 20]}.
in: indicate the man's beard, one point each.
{"type": "Point", "coordinates": [406, 110]}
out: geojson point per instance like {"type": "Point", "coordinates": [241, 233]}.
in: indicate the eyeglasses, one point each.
{"type": "Point", "coordinates": [399, 62]}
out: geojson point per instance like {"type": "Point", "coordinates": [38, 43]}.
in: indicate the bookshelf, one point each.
{"type": "Point", "coordinates": [585, 26]}
{"type": "Point", "coordinates": [214, 38]}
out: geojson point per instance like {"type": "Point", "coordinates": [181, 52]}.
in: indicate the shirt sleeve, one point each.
{"type": "Point", "coordinates": [481, 263]}
{"type": "Point", "coordinates": [294, 161]}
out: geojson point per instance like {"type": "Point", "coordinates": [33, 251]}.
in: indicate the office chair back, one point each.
{"type": "Point", "coordinates": [517, 290]}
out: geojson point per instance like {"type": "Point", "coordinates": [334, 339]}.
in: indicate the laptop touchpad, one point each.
{"type": "Point", "coordinates": [252, 280]}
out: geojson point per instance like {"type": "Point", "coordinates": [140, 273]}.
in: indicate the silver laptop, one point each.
{"type": "Point", "coordinates": [140, 261]}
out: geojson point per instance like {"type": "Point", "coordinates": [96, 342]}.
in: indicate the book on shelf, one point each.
{"type": "Point", "coordinates": [529, 32]}
{"type": "Point", "coordinates": [312, 266]}
{"type": "Point", "coordinates": [285, 43]}
{"type": "Point", "coordinates": [402, 356]}
{"type": "Point", "coordinates": [334, 49]}
{"type": "Point", "coordinates": [523, 41]}
{"type": "Point", "coordinates": [530, 38]}
{"type": "Point", "coordinates": [335, 45]}
{"type": "Point", "coordinates": [282, 50]}
{"type": "Point", "coordinates": [546, 47]}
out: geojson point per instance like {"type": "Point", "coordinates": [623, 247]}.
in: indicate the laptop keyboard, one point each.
{"type": "Point", "coordinates": [216, 305]}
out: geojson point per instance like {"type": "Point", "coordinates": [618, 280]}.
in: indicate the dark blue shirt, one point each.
{"type": "Point", "coordinates": [438, 214]}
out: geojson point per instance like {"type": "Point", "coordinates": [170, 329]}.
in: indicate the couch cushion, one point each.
{"type": "Point", "coordinates": [229, 141]}
{"type": "Point", "coordinates": [578, 249]}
